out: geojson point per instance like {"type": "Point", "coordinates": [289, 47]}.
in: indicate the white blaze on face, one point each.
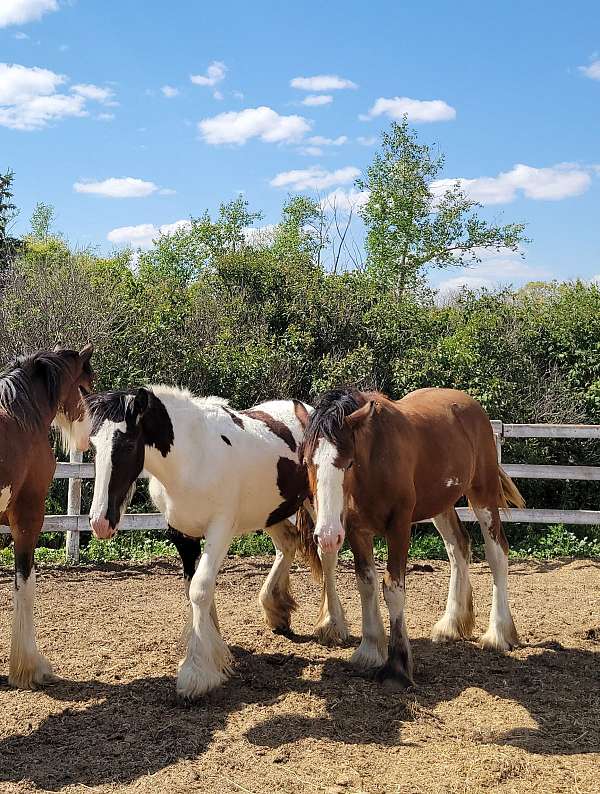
{"type": "Point", "coordinates": [329, 497]}
{"type": "Point", "coordinates": [5, 494]}
{"type": "Point", "coordinates": [103, 444]}
{"type": "Point", "coordinates": [75, 435]}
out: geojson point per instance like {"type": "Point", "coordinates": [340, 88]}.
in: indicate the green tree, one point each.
{"type": "Point", "coordinates": [415, 221]}
{"type": "Point", "coordinates": [8, 211]}
{"type": "Point", "coordinates": [41, 221]}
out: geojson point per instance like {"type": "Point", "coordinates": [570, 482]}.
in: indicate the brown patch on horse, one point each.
{"type": "Point", "coordinates": [277, 427]}
{"type": "Point", "coordinates": [237, 420]}
{"type": "Point", "coordinates": [293, 487]}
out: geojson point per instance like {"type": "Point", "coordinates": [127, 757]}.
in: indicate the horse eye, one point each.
{"type": "Point", "coordinates": [349, 466]}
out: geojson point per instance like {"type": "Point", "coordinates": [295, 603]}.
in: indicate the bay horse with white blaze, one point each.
{"type": "Point", "coordinates": [375, 467]}
{"type": "Point", "coordinates": [214, 473]}
{"type": "Point", "coordinates": [36, 391]}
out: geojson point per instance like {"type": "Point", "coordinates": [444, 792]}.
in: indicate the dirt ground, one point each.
{"type": "Point", "coordinates": [295, 717]}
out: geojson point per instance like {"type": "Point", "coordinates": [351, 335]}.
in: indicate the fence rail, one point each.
{"type": "Point", "coordinates": [75, 471]}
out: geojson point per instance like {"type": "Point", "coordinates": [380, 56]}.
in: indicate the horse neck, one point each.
{"type": "Point", "coordinates": [47, 411]}
{"type": "Point", "coordinates": [186, 419]}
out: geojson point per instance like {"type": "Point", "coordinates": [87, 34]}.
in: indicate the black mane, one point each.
{"type": "Point", "coordinates": [110, 405]}
{"type": "Point", "coordinates": [327, 420]}
{"type": "Point", "coordinates": [17, 398]}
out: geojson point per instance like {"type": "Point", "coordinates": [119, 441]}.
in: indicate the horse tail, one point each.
{"type": "Point", "coordinates": [509, 493]}
{"type": "Point", "coordinates": [308, 546]}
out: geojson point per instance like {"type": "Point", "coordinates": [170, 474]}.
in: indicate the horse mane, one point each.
{"type": "Point", "coordinates": [17, 382]}
{"type": "Point", "coordinates": [108, 405]}
{"type": "Point", "coordinates": [327, 420]}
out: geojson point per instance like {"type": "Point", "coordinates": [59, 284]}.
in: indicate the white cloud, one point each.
{"type": "Point", "coordinates": [496, 268]}
{"type": "Point", "coordinates": [105, 116]}
{"type": "Point", "coordinates": [262, 122]}
{"type": "Point", "coordinates": [258, 236]}
{"type": "Point", "coordinates": [418, 110]}
{"type": "Point", "coordinates": [592, 70]}
{"type": "Point", "coordinates": [142, 235]}
{"type": "Point", "coordinates": [315, 178]}
{"type": "Point", "coordinates": [214, 74]}
{"type": "Point", "coordinates": [367, 140]}
{"type": "Point", "coordinates": [18, 12]}
{"type": "Point", "coordinates": [343, 201]}
{"type": "Point", "coordinates": [549, 184]}
{"type": "Point", "coordinates": [311, 151]}
{"type": "Point", "coordinates": [125, 187]}
{"type": "Point", "coordinates": [30, 97]}
{"type": "Point", "coordinates": [322, 82]}
{"type": "Point", "coordinates": [95, 92]}
{"type": "Point", "coordinates": [313, 100]}
{"type": "Point", "coordinates": [20, 36]}
{"type": "Point", "coordinates": [169, 91]}
{"type": "Point", "coordinates": [319, 140]}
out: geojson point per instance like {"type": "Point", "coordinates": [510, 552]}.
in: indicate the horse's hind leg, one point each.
{"type": "Point", "coordinates": [331, 627]}
{"type": "Point", "coordinates": [458, 620]}
{"type": "Point", "coordinates": [27, 666]}
{"type": "Point", "coordinates": [275, 596]}
{"type": "Point", "coordinates": [501, 634]}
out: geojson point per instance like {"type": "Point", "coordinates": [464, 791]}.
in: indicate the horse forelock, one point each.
{"type": "Point", "coordinates": [327, 419]}
{"type": "Point", "coordinates": [17, 382]}
{"type": "Point", "coordinates": [107, 406]}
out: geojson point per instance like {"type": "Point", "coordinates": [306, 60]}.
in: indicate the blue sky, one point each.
{"type": "Point", "coordinates": [113, 111]}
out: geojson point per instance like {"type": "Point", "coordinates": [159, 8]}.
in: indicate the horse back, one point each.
{"type": "Point", "coordinates": [428, 448]}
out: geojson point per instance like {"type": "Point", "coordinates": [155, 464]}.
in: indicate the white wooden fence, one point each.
{"type": "Point", "coordinates": [74, 523]}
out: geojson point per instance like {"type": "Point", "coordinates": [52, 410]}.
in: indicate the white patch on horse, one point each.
{"type": "Point", "coordinates": [329, 497]}
{"type": "Point", "coordinates": [103, 443]}
{"type": "Point", "coordinates": [451, 481]}
{"type": "Point", "coordinates": [5, 495]}
{"type": "Point", "coordinates": [501, 633]}
{"type": "Point", "coordinates": [27, 666]}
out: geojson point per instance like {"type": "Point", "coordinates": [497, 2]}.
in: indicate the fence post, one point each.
{"type": "Point", "coordinates": [73, 509]}
{"type": "Point", "coordinates": [499, 438]}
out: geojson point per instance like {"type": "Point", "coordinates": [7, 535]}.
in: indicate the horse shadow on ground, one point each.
{"type": "Point", "coordinates": [138, 728]}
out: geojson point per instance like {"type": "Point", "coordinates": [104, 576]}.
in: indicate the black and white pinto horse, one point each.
{"type": "Point", "coordinates": [215, 473]}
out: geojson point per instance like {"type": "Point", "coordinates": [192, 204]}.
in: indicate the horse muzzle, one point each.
{"type": "Point", "coordinates": [102, 529]}
{"type": "Point", "coordinates": [329, 540]}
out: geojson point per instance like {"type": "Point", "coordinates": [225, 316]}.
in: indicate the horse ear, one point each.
{"type": "Point", "coordinates": [301, 413]}
{"type": "Point", "coordinates": [363, 414]}
{"type": "Point", "coordinates": [86, 353]}
{"type": "Point", "coordinates": [140, 402]}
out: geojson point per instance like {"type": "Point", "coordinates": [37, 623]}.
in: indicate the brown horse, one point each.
{"type": "Point", "coordinates": [35, 392]}
{"type": "Point", "coordinates": [375, 467]}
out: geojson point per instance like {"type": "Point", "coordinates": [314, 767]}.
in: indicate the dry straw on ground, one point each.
{"type": "Point", "coordinates": [296, 717]}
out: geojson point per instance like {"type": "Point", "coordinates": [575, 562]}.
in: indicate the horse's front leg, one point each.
{"type": "Point", "coordinates": [190, 551]}
{"type": "Point", "coordinates": [399, 665]}
{"type": "Point", "coordinates": [27, 666]}
{"type": "Point", "coordinates": [331, 628]}
{"type": "Point", "coordinates": [207, 662]}
{"type": "Point", "coordinates": [372, 650]}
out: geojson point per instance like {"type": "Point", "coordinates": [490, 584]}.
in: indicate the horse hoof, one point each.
{"type": "Point", "coordinates": [392, 678]}
{"type": "Point", "coordinates": [331, 632]}
{"type": "Point", "coordinates": [284, 631]}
